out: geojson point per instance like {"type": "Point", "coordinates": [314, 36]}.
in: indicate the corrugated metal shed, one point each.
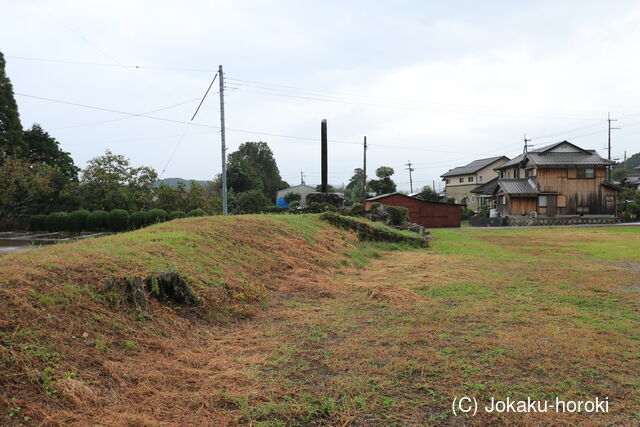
{"type": "Point", "coordinates": [423, 212]}
{"type": "Point", "coordinates": [472, 167]}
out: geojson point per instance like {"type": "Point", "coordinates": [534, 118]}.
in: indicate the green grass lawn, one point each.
{"type": "Point", "coordinates": [342, 333]}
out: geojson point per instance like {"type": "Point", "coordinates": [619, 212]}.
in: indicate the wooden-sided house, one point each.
{"type": "Point", "coordinates": [560, 179]}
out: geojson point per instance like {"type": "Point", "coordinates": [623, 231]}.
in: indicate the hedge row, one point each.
{"type": "Point", "coordinates": [116, 220]}
{"type": "Point", "coordinates": [371, 231]}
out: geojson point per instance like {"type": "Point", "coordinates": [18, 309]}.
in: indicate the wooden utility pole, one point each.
{"type": "Point", "coordinates": [301, 178]}
{"type": "Point", "coordinates": [364, 169]}
{"type": "Point", "coordinates": [525, 150]}
{"type": "Point", "coordinates": [410, 169]}
{"type": "Point", "coordinates": [224, 147]}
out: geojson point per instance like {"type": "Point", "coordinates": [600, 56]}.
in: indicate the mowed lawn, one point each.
{"type": "Point", "coordinates": [540, 313]}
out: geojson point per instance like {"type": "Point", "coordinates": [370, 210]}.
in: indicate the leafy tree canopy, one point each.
{"type": "Point", "coordinates": [428, 193]}
{"type": "Point", "coordinates": [384, 184]}
{"type": "Point", "coordinates": [110, 182]}
{"type": "Point", "coordinates": [23, 185]}
{"type": "Point", "coordinates": [43, 148]}
{"type": "Point", "coordinates": [11, 143]}
{"type": "Point", "coordinates": [251, 164]}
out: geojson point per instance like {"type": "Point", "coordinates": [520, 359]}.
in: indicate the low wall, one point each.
{"type": "Point", "coordinates": [521, 221]}
{"type": "Point", "coordinates": [477, 221]}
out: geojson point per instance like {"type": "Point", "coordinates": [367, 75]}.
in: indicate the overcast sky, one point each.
{"type": "Point", "coordinates": [437, 83]}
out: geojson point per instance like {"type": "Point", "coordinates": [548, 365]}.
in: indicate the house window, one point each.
{"type": "Point", "coordinates": [461, 180]}
{"type": "Point", "coordinates": [542, 201]}
{"type": "Point", "coordinates": [609, 199]}
{"type": "Point", "coordinates": [480, 178]}
{"type": "Point", "coordinates": [528, 172]}
{"type": "Point", "coordinates": [448, 181]}
{"type": "Point", "coordinates": [586, 173]}
{"type": "Point", "coordinates": [501, 200]}
{"type": "Point", "coordinates": [516, 173]}
{"type": "Point", "coordinates": [501, 174]}
{"type": "Point", "coordinates": [470, 179]}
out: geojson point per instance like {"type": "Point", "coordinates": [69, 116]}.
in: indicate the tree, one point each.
{"type": "Point", "coordinates": [11, 143]}
{"type": "Point", "coordinates": [172, 198]}
{"type": "Point", "coordinates": [292, 197]}
{"type": "Point", "coordinates": [253, 167]}
{"type": "Point", "coordinates": [357, 178]}
{"type": "Point", "coordinates": [384, 184]}
{"type": "Point", "coordinates": [251, 201]}
{"type": "Point", "coordinates": [40, 147]}
{"type": "Point", "coordinates": [23, 185]}
{"type": "Point", "coordinates": [429, 194]}
{"type": "Point", "coordinates": [110, 182]}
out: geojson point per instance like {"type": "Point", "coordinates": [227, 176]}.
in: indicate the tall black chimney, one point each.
{"type": "Point", "coordinates": [323, 132]}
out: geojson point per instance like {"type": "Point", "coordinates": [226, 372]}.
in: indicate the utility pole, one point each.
{"type": "Point", "coordinates": [301, 178]}
{"type": "Point", "coordinates": [364, 169]}
{"type": "Point", "coordinates": [526, 144]}
{"type": "Point", "coordinates": [609, 120]}
{"type": "Point", "coordinates": [324, 173]}
{"type": "Point", "coordinates": [410, 169]}
{"type": "Point", "coordinates": [224, 146]}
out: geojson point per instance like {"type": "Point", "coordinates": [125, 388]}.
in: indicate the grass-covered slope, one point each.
{"type": "Point", "coordinates": [67, 343]}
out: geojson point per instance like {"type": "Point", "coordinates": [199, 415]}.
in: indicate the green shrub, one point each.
{"type": "Point", "coordinates": [357, 209]}
{"type": "Point", "coordinates": [56, 221]}
{"type": "Point", "coordinates": [375, 232]}
{"type": "Point", "coordinates": [397, 214]}
{"type": "Point", "coordinates": [37, 222]}
{"type": "Point", "coordinates": [466, 213]}
{"type": "Point", "coordinates": [176, 215]}
{"type": "Point", "coordinates": [137, 219]}
{"type": "Point", "coordinates": [316, 207]}
{"type": "Point", "coordinates": [483, 212]}
{"type": "Point", "coordinates": [77, 220]}
{"type": "Point", "coordinates": [118, 220]}
{"type": "Point", "coordinates": [292, 197]}
{"type": "Point", "coordinates": [97, 220]}
{"type": "Point", "coordinates": [196, 212]}
{"type": "Point", "coordinates": [154, 216]}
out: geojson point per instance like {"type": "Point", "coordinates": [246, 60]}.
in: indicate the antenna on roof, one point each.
{"type": "Point", "coordinates": [525, 150]}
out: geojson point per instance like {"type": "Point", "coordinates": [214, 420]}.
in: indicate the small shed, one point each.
{"type": "Point", "coordinates": [427, 213]}
{"type": "Point", "coordinates": [302, 190]}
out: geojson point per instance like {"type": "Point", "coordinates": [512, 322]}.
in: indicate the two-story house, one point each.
{"type": "Point", "coordinates": [461, 180]}
{"type": "Point", "coordinates": [560, 179]}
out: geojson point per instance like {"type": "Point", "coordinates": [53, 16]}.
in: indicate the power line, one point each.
{"type": "Point", "coordinates": [124, 118]}
{"type": "Point", "coordinates": [118, 65]}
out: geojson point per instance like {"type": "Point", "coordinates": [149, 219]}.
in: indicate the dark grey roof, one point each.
{"type": "Point", "coordinates": [637, 167]}
{"type": "Point", "coordinates": [633, 179]}
{"type": "Point", "coordinates": [589, 158]}
{"type": "Point", "coordinates": [472, 167]}
{"type": "Point", "coordinates": [516, 160]}
{"type": "Point", "coordinates": [486, 188]}
{"type": "Point", "coordinates": [541, 157]}
{"type": "Point", "coordinates": [518, 187]}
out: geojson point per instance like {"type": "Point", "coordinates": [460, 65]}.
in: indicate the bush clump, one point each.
{"type": "Point", "coordinates": [56, 221]}
{"type": "Point", "coordinates": [317, 207]}
{"type": "Point", "coordinates": [397, 214]}
{"type": "Point", "coordinates": [357, 209]}
{"type": "Point", "coordinates": [97, 220]}
{"type": "Point", "coordinates": [118, 220]}
{"type": "Point", "coordinates": [37, 222]}
{"type": "Point", "coordinates": [155, 216]}
{"type": "Point", "coordinates": [77, 220]}
{"type": "Point", "coordinates": [137, 219]}
{"type": "Point", "coordinates": [176, 215]}
{"type": "Point", "coordinates": [369, 231]}
{"type": "Point", "coordinates": [196, 212]}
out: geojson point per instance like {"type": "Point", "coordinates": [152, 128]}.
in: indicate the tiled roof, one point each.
{"type": "Point", "coordinates": [542, 157]}
{"type": "Point", "coordinates": [486, 188]}
{"type": "Point", "coordinates": [472, 167]}
{"type": "Point", "coordinates": [518, 187]}
{"type": "Point", "coordinates": [590, 158]}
